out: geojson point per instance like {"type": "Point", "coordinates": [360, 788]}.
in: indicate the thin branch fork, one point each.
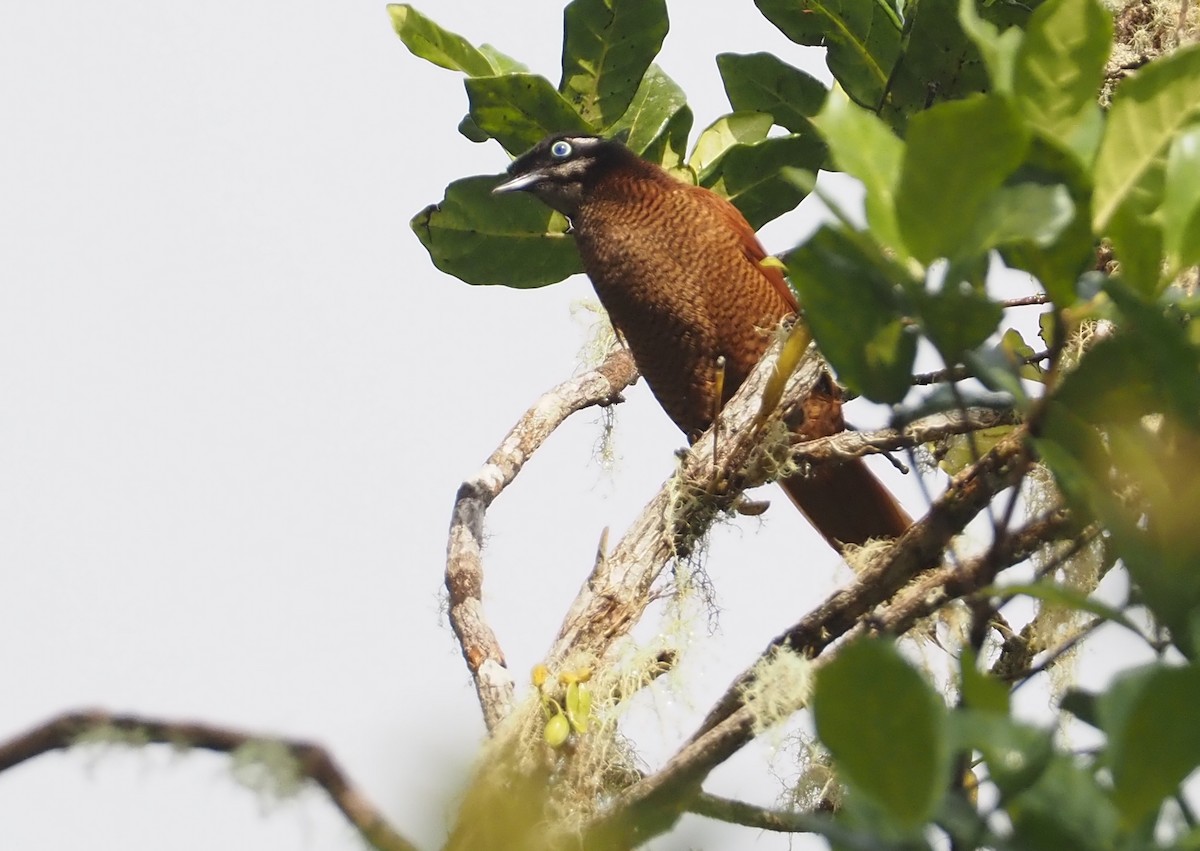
{"type": "Point", "coordinates": [464, 560]}
{"type": "Point", "coordinates": [652, 803]}
{"type": "Point", "coordinates": [310, 760]}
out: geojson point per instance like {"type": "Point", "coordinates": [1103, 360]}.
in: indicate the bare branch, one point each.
{"type": "Point", "coordinates": [310, 760]}
{"type": "Point", "coordinates": [739, 812]}
{"type": "Point", "coordinates": [464, 561]}
{"type": "Point", "coordinates": [855, 444]}
{"type": "Point", "coordinates": [1024, 301]}
{"type": "Point", "coordinates": [935, 588]}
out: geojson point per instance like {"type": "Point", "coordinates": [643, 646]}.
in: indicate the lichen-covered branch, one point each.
{"type": "Point", "coordinates": [653, 803]}
{"type": "Point", "coordinates": [306, 760]}
{"type": "Point", "coordinates": [711, 475]}
{"type": "Point", "coordinates": [464, 561]}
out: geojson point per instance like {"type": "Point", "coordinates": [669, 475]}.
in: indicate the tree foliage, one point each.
{"type": "Point", "coordinates": [977, 132]}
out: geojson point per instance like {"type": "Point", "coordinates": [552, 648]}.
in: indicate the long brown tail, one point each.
{"type": "Point", "coordinates": [847, 504]}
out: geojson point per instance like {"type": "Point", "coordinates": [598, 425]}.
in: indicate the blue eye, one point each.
{"type": "Point", "coordinates": [561, 149]}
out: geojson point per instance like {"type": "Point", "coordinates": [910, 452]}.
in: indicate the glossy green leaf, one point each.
{"type": "Point", "coordinates": [957, 155]}
{"type": "Point", "coordinates": [767, 179]}
{"type": "Point", "coordinates": [1181, 200]}
{"type": "Point", "coordinates": [997, 47]}
{"type": "Point", "coordinates": [1025, 212]}
{"type": "Point", "coordinates": [864, 147]}
{"type": "Point", "coordinates": [761, 82]}
{"type": "Point", "coordinates": [1065, 810]}
{"type": "Point", "coordinates": [736, 128]}
{"type": "Point", "coordinates": [1148, 111]}
{"type": "Point", "coordinates": [481, 238]}
{"type": "Point", "coordinates": [1153, 738]}
{"type": "Point", "coordinates": [886, 729]}
{"type": "Point", "coordinates": [856, 314]}
{"type": "Point", "coordinates": [1059, 68]}
{"type": "Point", "coordinates": [862, 40]}
{"type": "Point", "coordinates": [658, 120]}
{"type": "Point", "coordinates": [519, 110]}
{"type": "Point", "coordinates": [429, 41]}
{"type": "Point", "coordinates": [607, 47]}
{"type": "Point", "coordinates": [937, 63]}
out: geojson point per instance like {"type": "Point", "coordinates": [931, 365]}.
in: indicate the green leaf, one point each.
{"type": "Point", "coordinates": [998, 49]}
{"type": "Point", "coordinates": [1061, 595]}
{"type": "Point", "coordinates": [862, 40]}
{"type": "Point", "coordinates": [767, 179]}
{"type": "Point", "coordinates": [761, 82]}
{"type": "Point", "coordinates": [856, 313]}
{"type": "Point", "coordinates": [481, 238]}
{"type": "Point", "coordinates": [1016, 754]}
{"type": "Point", "coordinates": [1065, 810]}
{"type": "Point", "coordinates": [1136, 235]}
{"type": "Point", "coordinates": [1181, 201]}
{"type": "Point", "coordinates": [519, 110]}
{"type": "Point", "coordinates": [864, 147]}
{"type": "Point", "coordinates": [1072, 253]}
{"type": "Point", "coordinates": [1059, 68]}
{"type": "Point", "coordinates": [502, 63]}
{"type": "Point", "coordinates": [1025, 212]}
{"type": "Point", "coordinates": [428, 41]}
{"type": "Point", "coordinates": [981, 691]}
{"type": "Point", "coordinates": [937, 62]}
{"type": "Point", "coordinates": [886, 729]}
{"type": "Point", "coordinates": [1148, 111]}
{"type": "Point", "coordinates": [1081, 704]}
{"type": "Point", "coordinates": [728, 130]}
{"type": "Point", "coordinates": [657, 120]}
{"type": "Point", "coordinates": [607, 47]}
{"type": "Point", "coordinates": [1149, 367]}
{"type": "Point", "coordinates": [958, 154]}
{"type": "Point", "coordinates": [957, 317]}
{"type": "Point", "coordinates": [1013, 345]}
{"type": "Point", "coordinates": [1153, 738]}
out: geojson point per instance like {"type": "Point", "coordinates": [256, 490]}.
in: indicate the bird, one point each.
{"type": "Point", "coordinates": [681, 275]}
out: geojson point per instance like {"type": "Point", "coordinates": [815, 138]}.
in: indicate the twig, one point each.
{"type": "Point", "coordinates": [962, 373]}
{"type": "Point", "coordinates": [311, 760]}
{"type": "Point", "coordinates": [464, 561]}
{"type": "Point", "coordinates": [748, 815]}
{"type": "Point", "coordinates": [855, 444]}
{"type": "Point", "coordinates": [1023, 301]}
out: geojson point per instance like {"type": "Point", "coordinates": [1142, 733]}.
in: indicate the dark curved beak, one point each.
{"type": "Point", "coordinates": [518, 183]}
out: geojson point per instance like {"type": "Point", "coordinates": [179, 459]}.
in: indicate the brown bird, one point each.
{"type": "Point", "coordinates": [679, 271]}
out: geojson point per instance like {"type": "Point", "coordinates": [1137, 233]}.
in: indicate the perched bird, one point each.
{"type": "Point", "coordinates": [680, 272]}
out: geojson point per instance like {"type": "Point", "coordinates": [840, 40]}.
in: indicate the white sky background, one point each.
{"type": "Point", "coordinates": [236, 400]}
